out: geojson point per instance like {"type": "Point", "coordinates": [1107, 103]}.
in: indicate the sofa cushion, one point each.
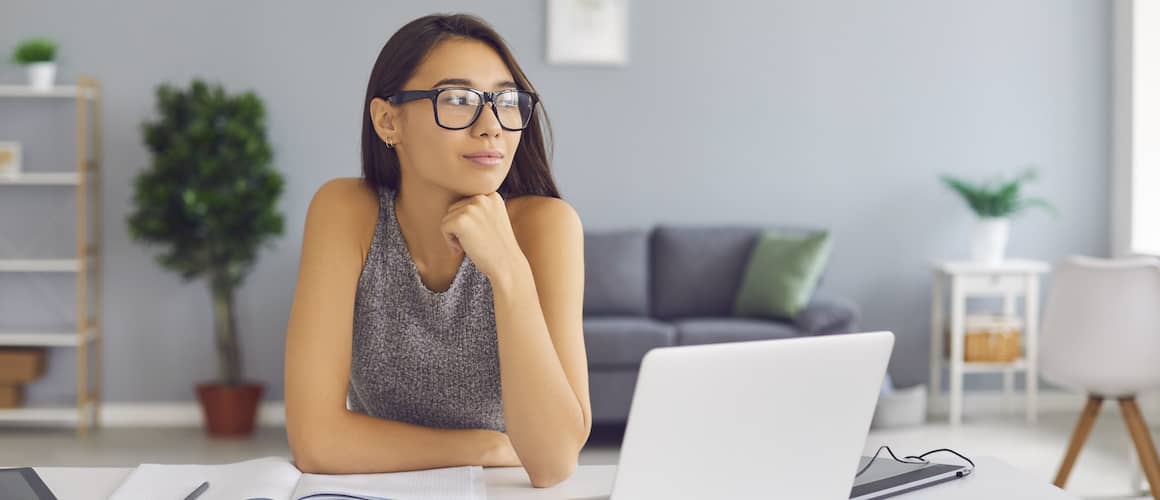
{"type": "Point", "coordinates": [623, 341]}
{"type": "Point", "coordinates": [782, 273]}
{"type": "Point", "coordinates": [616, 273]}
{"type": "Point", "coordinates": [611, 391]}
{"type": "Point", "coordinates": [828, 314]}
{"type": "Point", "coordinates": [695, 331]}
{"type": "Point", "coordinates": [697, 270]}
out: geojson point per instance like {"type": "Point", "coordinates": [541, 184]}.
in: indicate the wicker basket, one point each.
{"type": "Point", "coordinates": [990, 338]}
{"type": "Point", "coordinates": [21, 365]}
{"type": "Point", "coordinates": [11, 396]}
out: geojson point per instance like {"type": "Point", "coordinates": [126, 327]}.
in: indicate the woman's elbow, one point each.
{"type": "Point", "coordinates": [307, 456]}
{"type": "Point", "coordinates": [318, 460]}
{"type": "Point", "coordinates": [308, 464]}
{"type": "Point", "coordinates": [557, 466]}
{"type": "Point", "coordinates": [309, 447]}
{"type": "Point", "coordinates": [549, 475]}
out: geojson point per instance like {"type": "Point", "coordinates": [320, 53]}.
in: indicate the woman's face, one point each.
{"type": "Point", "coordinates": [451, 158]}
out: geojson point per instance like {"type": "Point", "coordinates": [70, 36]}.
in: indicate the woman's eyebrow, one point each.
{"type": "Point", "coordinates": [465, 82]}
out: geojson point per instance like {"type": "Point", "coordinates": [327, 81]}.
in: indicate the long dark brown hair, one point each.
{"type": "Point", "coordinates": [529, 174]}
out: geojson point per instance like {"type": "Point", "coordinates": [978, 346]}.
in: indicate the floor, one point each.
{"type": "Point", "coordinates": [1102, 472]}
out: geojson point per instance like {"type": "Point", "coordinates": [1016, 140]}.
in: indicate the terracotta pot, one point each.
{"type": "Point", "coordinates": [229, 411]}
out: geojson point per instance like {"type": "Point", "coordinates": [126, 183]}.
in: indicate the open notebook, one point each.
{"type": "Point", "coordinates": [275, 478]}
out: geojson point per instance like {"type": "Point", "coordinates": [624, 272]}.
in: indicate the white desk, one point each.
{"type": "Point", "coordinates": [993, 480]}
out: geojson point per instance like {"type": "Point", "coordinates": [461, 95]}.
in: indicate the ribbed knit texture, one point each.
{"type": "Point", "coordinates": [420, 356]}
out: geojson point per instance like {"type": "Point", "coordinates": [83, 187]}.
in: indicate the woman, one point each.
{"type": "Point", "coordinates": [437, 316]}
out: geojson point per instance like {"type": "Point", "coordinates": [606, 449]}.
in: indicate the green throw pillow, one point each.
{"type": "Point", "coordinates": [782, 273]}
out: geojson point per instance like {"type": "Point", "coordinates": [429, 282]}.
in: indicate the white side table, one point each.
{"type": "Point", "coordinates": [1008, 280]}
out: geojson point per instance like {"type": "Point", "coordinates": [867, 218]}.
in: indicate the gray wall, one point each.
{"type": "Point", "coordinates": [833, 113]}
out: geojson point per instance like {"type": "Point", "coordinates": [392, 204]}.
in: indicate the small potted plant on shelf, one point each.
{"type": "Point", "coordinates": [38, 54]}
{"type": "Point", "coordinates": [209, 199]}
{"type": "Point", "coordinates": [994, 203]}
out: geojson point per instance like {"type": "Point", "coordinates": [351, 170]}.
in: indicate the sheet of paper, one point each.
{"type": "Point", "coordinates": [451, 483]}
{"type": "Point", "coordinates": [269, 477]}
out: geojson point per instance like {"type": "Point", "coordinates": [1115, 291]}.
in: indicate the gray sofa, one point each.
{"type": "Point", "coordinates": [670, 286]}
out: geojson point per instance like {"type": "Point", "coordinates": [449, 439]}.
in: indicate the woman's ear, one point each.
{"type": "Point", "coordinates": [386, 120]}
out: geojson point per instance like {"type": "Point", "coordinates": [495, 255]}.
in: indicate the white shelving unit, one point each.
{"type": "Point", "coordinates": [86, 336]}
{"type": "Point", "coordinates": [41, 265]}
{"type": "Point", "coordinates": [42, 179]}
{"type": "Point", "coordinates": [85, 88]}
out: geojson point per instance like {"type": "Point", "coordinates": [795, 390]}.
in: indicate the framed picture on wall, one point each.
{"type": "Point", "coordinates": [588, 32]}
{"type": "Point", "coordinates": [9, 158]}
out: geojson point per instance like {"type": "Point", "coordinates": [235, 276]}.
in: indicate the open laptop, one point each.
{"type": "Point", "coordinates": [760, 419]}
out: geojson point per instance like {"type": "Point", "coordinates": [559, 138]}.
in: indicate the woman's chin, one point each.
{"type": "Point", "coordinates": [476, 182]}
{"type": "Point", "coordinates": [476, 189]}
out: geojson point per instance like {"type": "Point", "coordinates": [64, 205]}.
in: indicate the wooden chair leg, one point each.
{"type": "Point", "coordinates": [1143, 440]}
{"type": "Point", "coordinates": [1082, 429]}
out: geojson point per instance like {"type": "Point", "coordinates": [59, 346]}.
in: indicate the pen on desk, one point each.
{"type": "Point", "coordinates": [200, 489]}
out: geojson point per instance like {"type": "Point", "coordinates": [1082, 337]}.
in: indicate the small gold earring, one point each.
{"type": "Point", "coordinates": [390, 145]}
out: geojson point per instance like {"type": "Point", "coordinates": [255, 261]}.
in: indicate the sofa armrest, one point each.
{"type": "Point", "coordinates": [828, 314]}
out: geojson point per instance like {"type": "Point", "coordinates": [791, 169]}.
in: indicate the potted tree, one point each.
{"type": "Point", "coordinates": [209, 199]}
{"type": "Point", "coordinates": [38, 54]}
{"type": "Point", "coordinates": [994, 203]}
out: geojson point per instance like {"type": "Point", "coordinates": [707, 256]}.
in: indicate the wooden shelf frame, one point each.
{"type": "Point", "coordinates": [87, 337]}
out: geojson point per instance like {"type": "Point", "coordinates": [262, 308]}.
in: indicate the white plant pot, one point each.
{"type": "Point", "coordinates": [989, 240]}
{"type": "Point", "coordinates": [41, 76]}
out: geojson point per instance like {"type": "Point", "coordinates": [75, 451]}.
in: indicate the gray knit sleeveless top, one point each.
{"type": "Point", "coordinates": [420, 356]}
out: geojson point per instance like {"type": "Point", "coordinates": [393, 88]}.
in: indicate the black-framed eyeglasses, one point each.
{"type": "Point", "coordinates": [457, 108]}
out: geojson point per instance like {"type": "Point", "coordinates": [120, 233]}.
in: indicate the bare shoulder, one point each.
{"type": "Point", "coordinates": [348, 203]}
{"type": "Point", "coordinates": [543, 216]}
{"type": "Point", "coordinates": [346, 194]}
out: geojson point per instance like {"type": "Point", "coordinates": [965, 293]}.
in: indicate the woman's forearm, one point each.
{"type": "Point", "coordinates": [542, 414]}
{"type": "Point", "coordinates": [353, 443]}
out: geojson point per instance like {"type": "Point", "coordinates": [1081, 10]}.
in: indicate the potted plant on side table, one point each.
{"type": "Point", "coordinates": [209, 199]}
{"type": "Point", "coordinates": [994, 203]}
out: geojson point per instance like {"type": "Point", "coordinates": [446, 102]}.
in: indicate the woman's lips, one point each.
{"type": "Point", "coordinates": [486, 159]}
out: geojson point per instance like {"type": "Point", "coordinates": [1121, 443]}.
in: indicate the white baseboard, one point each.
{"type": "Point", "coordinates": [143, 414]}
{"type": "Point", "coordinates": [273, 413]}
{"type": "Point", "coordinates": [980, 403]}
{"type": "Point", "coordinates": [178, 414]}
{"type": "Point", "coordinates": [990, 403]}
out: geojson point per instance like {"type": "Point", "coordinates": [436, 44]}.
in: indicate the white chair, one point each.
{"type": "Point", "coordinates": [1101, 335]}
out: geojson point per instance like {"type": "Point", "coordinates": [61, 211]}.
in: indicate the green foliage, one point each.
{"type": "Point", "coordinates": [209, 198]}
{"type": "Point", "coordinates": [998, 198]}
{"type": "Point", "coordinates": [210, 195]}
{"type": "Point", "coordinates": [34, 50]}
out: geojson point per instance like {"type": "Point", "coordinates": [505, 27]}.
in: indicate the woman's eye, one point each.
{"type": "Point", "coordinates": [458, 100]}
